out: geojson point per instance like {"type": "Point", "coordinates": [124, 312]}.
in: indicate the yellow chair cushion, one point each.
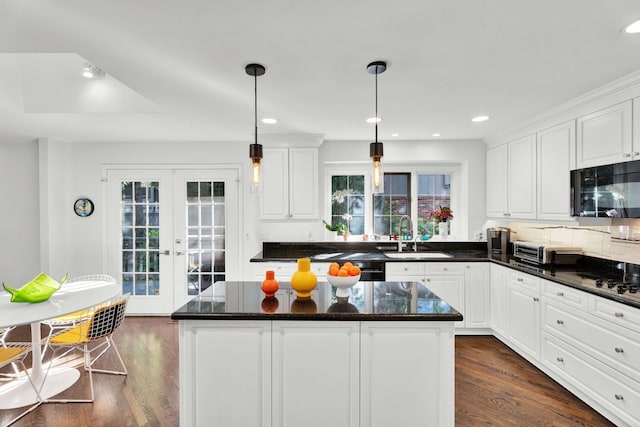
{"type": "Point", "coordinates": [10, 353]}
{"type": "Point", "coordinates": [72, 336]}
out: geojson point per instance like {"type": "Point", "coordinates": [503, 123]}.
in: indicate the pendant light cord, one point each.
{"type": "Point", "coordinates": [377, 118]}
{"type": "Point", "coordinates": [255, 105]}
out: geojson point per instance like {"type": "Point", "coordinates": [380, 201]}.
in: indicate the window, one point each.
{"type": "Point", "coordinates": [433, 191]}
{"type": "Point", "coordinates": [347, 202]}
{"type": "Point", "coordinates": [412, 190]}
{"type": "Point", "coordinates": [391, 205]}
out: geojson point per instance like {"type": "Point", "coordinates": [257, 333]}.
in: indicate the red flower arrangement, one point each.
{"type": "Point", "coordinates": [441, 214]}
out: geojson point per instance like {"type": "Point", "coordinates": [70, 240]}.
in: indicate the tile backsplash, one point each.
{"type": "Point", "coordinates": [616, 242]}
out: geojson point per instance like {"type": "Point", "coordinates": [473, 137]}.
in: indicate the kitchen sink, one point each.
{"type": "Point", "coordinates": [417, 255]}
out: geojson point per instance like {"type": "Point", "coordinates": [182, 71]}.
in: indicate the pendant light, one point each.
{"type": "Point", "coordinates": [376, 148]}
{"type": "Point", "coordinates": [255, 149]}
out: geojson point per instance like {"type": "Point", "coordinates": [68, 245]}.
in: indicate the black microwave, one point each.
{"type": "Point", "coordinates": [609, 191]}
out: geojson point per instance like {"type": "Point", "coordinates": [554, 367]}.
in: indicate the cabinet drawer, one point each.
{"type": "Point", "coordinates": [404, 269]}
{"type": "Point", "coordinates": [617, 313]}
{"type": "Point", "coordinates": [618, 394]}
{"type": "Point", "coordinates": [565, 294]}
{"type": "Point", "coordinates": [441, 268]}
{"type": "Point", "coordinates": [527, 281]}
{"type": "Point", "coordinates": [605, 341]}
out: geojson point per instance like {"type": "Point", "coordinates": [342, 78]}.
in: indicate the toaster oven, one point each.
{"type": "Point", "coordinates": [542, 254]}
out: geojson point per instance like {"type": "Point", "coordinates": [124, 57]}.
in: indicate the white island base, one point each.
{"type": "Point", "coordinates": [293, 373]}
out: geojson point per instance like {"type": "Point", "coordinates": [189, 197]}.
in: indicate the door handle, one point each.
{"type": "Point", "coordinates": [179, 253]}
{"type": "Point", "coordinates": [165, 252]}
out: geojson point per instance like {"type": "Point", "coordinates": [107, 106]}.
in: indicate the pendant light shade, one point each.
{"type": "Point", "coordinates": [255, 149]}
{"type": "Point", "coordinates": [376, 147]}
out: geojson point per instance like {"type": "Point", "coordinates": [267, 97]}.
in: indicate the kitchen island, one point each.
{"type": "Point", "coordinates": [383, 357]}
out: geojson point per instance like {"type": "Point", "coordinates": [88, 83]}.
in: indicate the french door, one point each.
{"type": "Point", "coordinates": [171, 234]}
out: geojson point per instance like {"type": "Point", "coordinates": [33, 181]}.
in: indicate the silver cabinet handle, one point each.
{"type": "Point", "coordinates": [536, 299]}
{"type": "Point", "coordinates": [520, 279]}
{"type": "Point", "coordinates": [636, 153]}
{"type": "Point", "coordinates": [619, 397]}
{"type": "Point", "coordinates": [618, 314]}
{"type": "Point", "coordinates": [445, 269]}
{"type": "Point", "coordinates": [559, 359]}
{"type": "Point", "coordinates": [626, 155]}
{"type": "Point", "coordinates": [619, 350]}
{"type": "Point", "coordinates": [560, 322]}
{"type": "Point", "coordinates": [179, 253]}
{"type": "Point", "coordinates": [165, 252]}
{"type": "Point", "coordinates": [560, 294]}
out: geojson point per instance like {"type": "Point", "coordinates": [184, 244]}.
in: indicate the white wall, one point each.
{"type": "Point", "coordinates": [19, 212]}
{"type": "Point", "coordinates": [69, 170]}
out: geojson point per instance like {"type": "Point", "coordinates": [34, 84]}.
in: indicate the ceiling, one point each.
{"type": "Point", "coordinates": [175, 69]}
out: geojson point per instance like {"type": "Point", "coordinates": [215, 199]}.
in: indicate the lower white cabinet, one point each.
{"type": "Point", "coordinates": [464, 286]}
{"type": "Point", "coordinates": [523, 324]}
{"type": "Point", "coordinates": [316, 362]}
{"type": "Point", "coordinates": [499, 293]}
{"type": "Point", "coordinates": [316, 373]}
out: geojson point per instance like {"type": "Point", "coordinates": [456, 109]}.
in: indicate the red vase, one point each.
{"type": "Point", "coordinates": [270, 285]}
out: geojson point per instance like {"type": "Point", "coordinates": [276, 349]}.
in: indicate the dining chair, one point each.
{"type": "Point", "coordinates": [93, 335]}
{"type": "Point", "coordinates": [14, 353]}
{"type": "Point", "coordinates": [60, 324]}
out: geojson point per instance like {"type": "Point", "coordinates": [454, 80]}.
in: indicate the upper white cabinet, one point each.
{"type": "Point", "coordinates": [556, 157]}
{"type": "Point", "coordinates": [605, 136]}
{"type": "Point", "coordinates": [289, 184]}
{"type": "Point", "coordinates": [511, 179]}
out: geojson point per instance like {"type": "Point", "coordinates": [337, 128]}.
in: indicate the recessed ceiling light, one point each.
{"type": "Point", "coordinates": [90, 71]}
{"type": "Point", "coordinates": [633, 28]}
{"type": "Point", "coordinates": [269, 121]}
{"type": "Point", "coordinates": [395, 134]}
{"type": "Point", "coordinates": [374, 120]}
{"type": "Point", "coordinates": [480, 119]}
{"type": "Point", "coordinates": [436, 134]}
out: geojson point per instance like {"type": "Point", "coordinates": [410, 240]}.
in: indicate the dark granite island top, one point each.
{"type": "Point", "coordinates": [368, 301]}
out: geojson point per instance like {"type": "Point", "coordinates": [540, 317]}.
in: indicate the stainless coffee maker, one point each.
{"type": "Point", "coordinates": [498, 239]}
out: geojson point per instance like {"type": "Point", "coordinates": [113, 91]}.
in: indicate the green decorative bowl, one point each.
{"type": "Point", "coordinates": [38, 290]}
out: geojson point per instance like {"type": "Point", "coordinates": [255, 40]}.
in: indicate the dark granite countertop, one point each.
{"type": "Point", "coordinates": [370, 301]}
{"type": "Point", "coordinates": [368, 251]}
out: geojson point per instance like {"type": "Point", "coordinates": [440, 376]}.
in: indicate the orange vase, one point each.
{"type": "Point", "coordinates": [304, 281]}
{"type": "Point", "coordinates": [270, 284]}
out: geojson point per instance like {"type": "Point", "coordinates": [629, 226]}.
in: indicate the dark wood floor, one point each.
{"type": "Point", "coordinates": [494, 386]}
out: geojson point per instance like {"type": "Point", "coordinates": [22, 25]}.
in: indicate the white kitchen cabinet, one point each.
{"type": "Point", "coordinates": [284, 270]}
{"type": "Point", "coordinates": [499, 294]}
{"type": "Point", "coordinates": [316, 362]}
{"type": "Point", "coordinates": [422, 355]}
{"type": "Point", "coordinates": [464, 286]}
{"type": "Point", "coordinates": [556, 156]}
{"type": "Point", "coordinates": [511, 179]}
{"type": "Point", "coordinates": [605, 136]}
{"type": "Point", "coordinates": [230, 387]}
{"type": "Point", "coordinates": [477, 295]}
{"type": "Point", "coordinates": [289, 184]}
{"type": "Point", "coordinates": [523, 324]}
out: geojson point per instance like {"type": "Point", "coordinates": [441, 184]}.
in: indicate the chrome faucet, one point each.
{"type": "Point", "coordinates": [402, 218]}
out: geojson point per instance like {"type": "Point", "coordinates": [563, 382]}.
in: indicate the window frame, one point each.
{"type": "Point", "coordinates": [456, 171]}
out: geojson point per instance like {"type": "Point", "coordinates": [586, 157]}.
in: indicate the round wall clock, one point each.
{"type": "Point", "coordinates": [83, 207]}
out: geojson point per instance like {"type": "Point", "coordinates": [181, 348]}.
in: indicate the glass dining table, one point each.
{"type": "Point", "coordinates": [71, 297]}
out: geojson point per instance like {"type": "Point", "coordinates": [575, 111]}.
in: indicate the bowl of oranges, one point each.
{"type": "Point", "coordinates": [343, 277]}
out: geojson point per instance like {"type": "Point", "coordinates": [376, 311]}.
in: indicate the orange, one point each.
{"type": "Point", "coordinates": [343, 273]}
{"type": "Point", "coordinates": [334, 264]}
{"type": "Point", "coordinates": [347, 264]}
{"type": "Point", "coordinates": [333, 270]}
{"type": "Point", "coordinates": [354, 271]}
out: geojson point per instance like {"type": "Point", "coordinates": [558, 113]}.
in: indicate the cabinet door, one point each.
{"type": "Point", "coordinates": [230, 387]}
{"type": "Point", "coordinates": [477, 296]}
{"type": "Point", "coordinates": [524, 320]}
{"type": "Point", "coordinates": [451, 290]}
{"type": "Point", "coordinates": [303, 183]}
{"type": "Point", "coordinates": [274, 200]}
{"type": "Point", "coordinates": [605, 136]}
{"type": "Point", "coordinates": [406, 365]}
{"type": "Point", "coordinates": [556, 157]}
{"type": "Point", "coordinates": [496, 182]}
{"type": "Point", "coordinates": [315, 362]}
{"type": "Point", "coordinates": [521, 185]}
{"type": "Point", "coordinates": [499, 297]}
